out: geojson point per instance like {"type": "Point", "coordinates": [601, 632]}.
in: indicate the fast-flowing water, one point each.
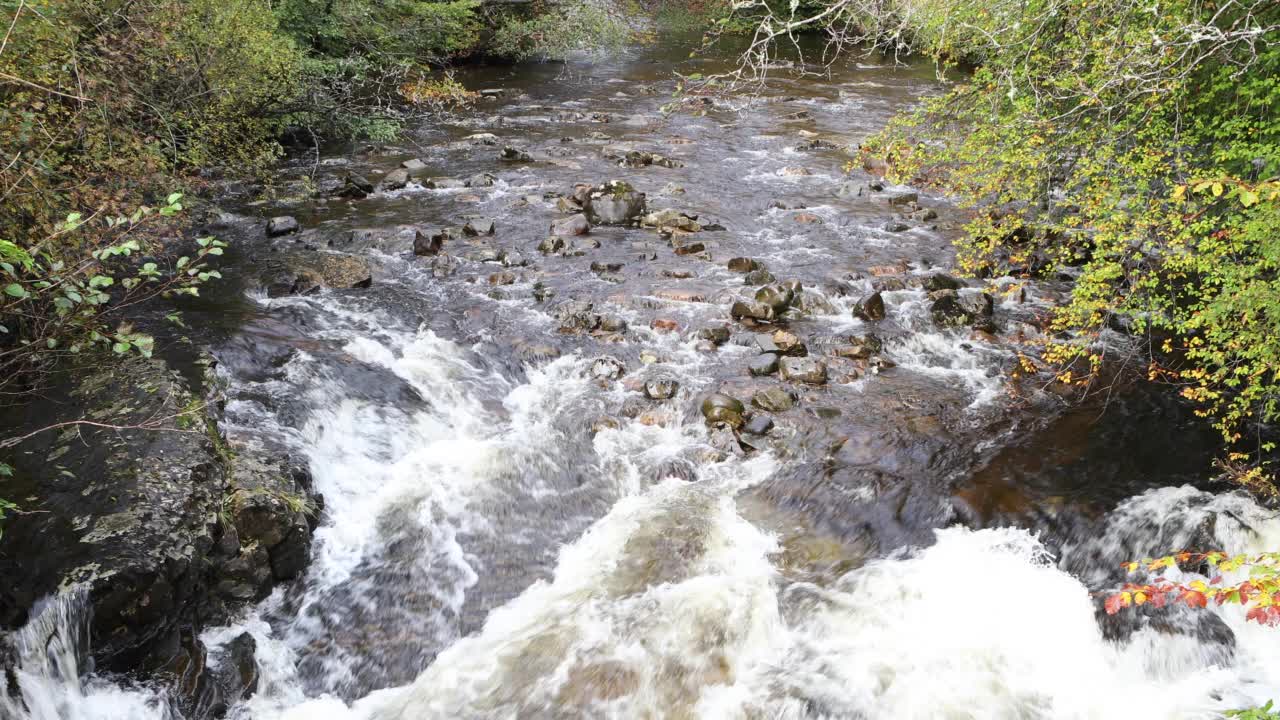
{"type": "Point", "coordinates": [507, 534]}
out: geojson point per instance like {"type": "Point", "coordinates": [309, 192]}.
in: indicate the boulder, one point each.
{"type": "Point", "coordinates": [282, 225]}
{"type": "Point", "coordinates": [413, 166]}
{"type": "Point", "coordinates": [895, 226]}
{"type": "Point", "coordinates": [950, 309]}
{"type": "Point", "coordinates": [572, 225]}
{"type": "Point", "coordinates": [774, 399]}
{"type": "Point", "coordinates": [355, 187]}
{"type": "Point", "coordinates": [395, 180]}
{"type": "Point", "coordinates": [758, 425]}
{"type": "Point", "coordinates": [753, 310]}
{"type": "Point", "coordinates": [481, 180]}
{"type": "Point", "coordinates": [810, 371]}
{"type": "Point", "coordinates": [941, 281]}
{"type": "Point", "coordinates": [514, 154]}
{"type": "Point", "coordinates": [870, 308]}
{"type": "Point", "coordinates": [429, 243]}
{"type": "Point", "coordinates": [607, 368]}
{"type": "Point", "coordinates": [661, 389]}
{"type": "Point", "coordinates": [906, 198]}
{"type": "Point", "coordinates": [672, 218]}
{"type": "Point", "coordinates": [718, 335]}
{"type": "Point", "coordinates": [443, 183]}
{"type": "Point", "coordinates": [614, 203]}
{"type": "Point", "coordinates": [788, 343]}
{"type": "Point", "coordinates": [764, 364]}
{"type": "Point", "coordinates": [759, 276]}
{"type": "Point", "coordinates": [743, 265]}
{"type": "Point", "coordinates": [479, 226]}
{"type": "Point", "coordinates": [721, 409]}
{"type": "Point", "coordinates": [776, 297]}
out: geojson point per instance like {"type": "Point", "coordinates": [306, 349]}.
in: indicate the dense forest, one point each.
{"type": "Point", "coordinates": [413, 359]}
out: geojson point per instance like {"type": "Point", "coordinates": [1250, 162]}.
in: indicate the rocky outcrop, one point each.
{"type": "Point", "coordinates": [162, 526]}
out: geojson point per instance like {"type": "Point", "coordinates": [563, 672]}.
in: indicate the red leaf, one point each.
{"type": "Point", "coordinates": [1194, 599]}
{"type": "Point", "coordinates": [1116, 602]}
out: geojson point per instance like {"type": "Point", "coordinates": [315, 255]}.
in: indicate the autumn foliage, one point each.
{"type": "Point", "coordinates": [1260, 593]}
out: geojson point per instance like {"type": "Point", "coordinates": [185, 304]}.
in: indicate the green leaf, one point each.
{"type": "Point", "coordinates": [15, 290]}
{"type": "Point", "coordinates": [120, 348]}
{"type": "Point", "coordinates": [173, 198]}
{"type": "Point", "coordinates": [1248, 198]}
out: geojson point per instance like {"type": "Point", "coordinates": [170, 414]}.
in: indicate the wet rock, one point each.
{"type": "Point", "coordinates": [607, 368]}
{"type": "Point", "coordinates": [481, 180]}
{"type": "Point", "coordinates": [895, 226]}
{"type": "Point", "coordinates": [577, 316]}
{"type": "Point", "coordinates": [924, 215]}
{"type": "Point", "coordinates": [860, 347]}
{"type": "Point", "coordinates": [639, 158]}
{"type": "Point", "coordinates": [355, 187]}
{"type": "Point", "coordinates": [764, 364]}
{"type": "Point", "coordinates": [777, 297]}
{"type": "Point", "coordinates": [482, 139]}
{"type": "Point", "coordinates": [810, 371]}
{"type": "Point", "coordinates": [662, 389]}
{"type": "Point", "coordinates": [443, 266]}
{"type": "Point", "coordinates": [870, 308]}
{"type": "Point", "coordinates": [718, 335]}
{"type": "Point", "coordinates": [665, 325]}
{"type": "Point", "coordinates": [414, 166]}
{"type": "Point", "coordinates": [551, 245]}
{"type": "Point", "coordinates": [395, 180]}
{"type": "Point", "coordinates": [743, 265]}
{"type": "Point", "coordinates": [573, 225]}
{"type": "Point", "coordinates": [849, 189]}
{"type": "Point", "coordinates": [758, 425]}
{"type": "Point", "coordinates": [673, 219]}
{"type": "Point", "coordinates": [774, 399]}
{"type": "Point", "coordinates": [753, 310]}
{"type": "Point", "coordinates": [502, 278]}
{"type": "Point", "coordinates": [758, 277]}
{"type": "Point", "coordinates": [788, 343]}
{"type": "Point", "coordinates": [514, 154]}
{"type": "Point", "coordinates": [721, 409]}
{"type": "Point", "coordinates": [242, 667]}
{"type": "Point", "coordinates": [807, 219]}
{"type": "Point", "coordinates": [765, 344]}
{"type": "Point", "coordinates": [906, 198]}
{"type": "Point", "coordinates": [479, 226]}
{"type": "Point", "coordinates": [941, 281]}
{"type": "Point", "coordinates": [282, 225]}
{"type": "Point", "coordinates": [443, 183]}
{"type": "Point", "coordinates": [512, 258]}
{"type": "Point", "coordinates": [614, 203]}
{"type": "Point", "coordinates": [687, 247]}
{"type": "Point", "coordinates": [429, 243]}
{"type": "Point", "coordinates": [951, 309]}
{"type": "Point", "coordinates": [795, 172]}
{"type": "Point", "coordinates": [607, 267]}
{"type": "Point", "coordinates": [301, 273]}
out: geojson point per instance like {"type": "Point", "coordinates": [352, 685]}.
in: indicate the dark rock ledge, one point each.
{"type": "Point", "coordinates": [166, 529]}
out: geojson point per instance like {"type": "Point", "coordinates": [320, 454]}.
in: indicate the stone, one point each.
{"type": "Point", "coordinates": [672, 218]}
{"type": "Point", "coordinates": [777, 297]}
{"type": "Point", "coordinates": [665, 325]}
{"type": "Point", "coordinates": [482, 139]}
{"type": "Point", "coordinates": [764, 342]}
{"type": "Point", "coordinates": [243, 666]}
{"type": "Point", "coordinates": [810, 371]}
{"type": "Point", "coordinates": [860, 347]}
{"type": "Point", "coordinates": [849, 189]}
{"type": "Point", "coordinates": [753, 310]}
{"type": "Point", "coordinates": [758, 425]}
{"type": "Point", "coordinates": [764, 364]}
{"type": "Point", "coordinates": [870, 308]}
{"type": "Point", "coordinates": [395, 180]}
{"type": "Point", "coordinates": [721, 409]}
{"type": "Point", "coordinates": [429, 244]}
{"type": "Point", "coordinates": [950, 309]}
{"type": "Point", "coordinates": [743, 265]}
{"type": "Point", "coordinates": [807, 219]}
{"type": "Point", "coordinates": [759, 276]}
{"type": "Point", "coordinates": [662, 389]}
{"type": "Point", "coordinates": [906, 198]}
{"type": "Point", "coordinates": [413, 166]}
{"type": "Point", "coordinates": [577, 315]}
{"type": "Point", "coordinates": [572, 225]}
{"type": "Point", "coordinates": [614, 203]}
{"type": "Point", "coordinates": [607, 267]}
{"type": "Point", "coordinates": [355, 187]}
{"type": "Point", "coordinates": [718, 335]}
{"type": "Point", "coordinates": [895, 226]}
{"type": "Point", "coordinates": [479, 226]}
{"type": "Point", "coordinates": [941, 281]}
{"type": "Point", "coordinates": [607, 368]}
{"type": "Point", "coordinates": [514, 154]}
{"type": "Point", "coordinates": [774, 399]}
{"type": "Point", "coordinates": [688, 247]}
{"type": "Point", "coordinates": [481, 180]}
{"type": "Point", "coordinates": [551, 245]}
{"type": "Point", "coordinates": [443, 183]}
{"type": "Point", "coordinates": [788, 343]}
{"type": "Point", "coordinates": [502, 278]}
{"type": "Point", "coordinates": [282, 225]}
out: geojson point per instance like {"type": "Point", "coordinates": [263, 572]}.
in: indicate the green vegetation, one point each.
{"type": "Point", "coordinates": [1134, 146]}
{"type": "Point", "coordinates": [106, 106]}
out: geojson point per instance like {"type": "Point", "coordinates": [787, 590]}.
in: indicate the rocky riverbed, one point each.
{"type": "Point", "coordinates": [602, 402]}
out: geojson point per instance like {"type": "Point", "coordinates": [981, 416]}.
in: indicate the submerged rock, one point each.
{"type": "Point", "coordinates": [614, 203]}
{"type": "Point", "coordinates": [572, 225]}
{"type": "Point", "coordinates": [721, 409]}
{"type": "Point", "coordinates": [810, 371]}
{"type": "Point", "coordinates": [774, 399]}
{"type": "Point", "coordinates": [282, 225]}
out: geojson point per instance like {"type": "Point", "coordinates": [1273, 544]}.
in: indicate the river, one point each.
{"type": "Point", "coordinates": [511, 532]}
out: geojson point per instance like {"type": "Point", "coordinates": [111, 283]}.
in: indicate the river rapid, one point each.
{"type": "Point", "coordinates": [509, 531]}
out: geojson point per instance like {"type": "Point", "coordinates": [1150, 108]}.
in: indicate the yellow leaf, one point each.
{"type": "Point", "coordinates": [1217, 189]}
{"type": "Point", "coordinates": [1179, 191]}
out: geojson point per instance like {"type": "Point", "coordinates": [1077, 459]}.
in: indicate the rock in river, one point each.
{"type": "Point", "coordinates": [721, 409]}
{"type": "Point", "coordinates": [810, 371]}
